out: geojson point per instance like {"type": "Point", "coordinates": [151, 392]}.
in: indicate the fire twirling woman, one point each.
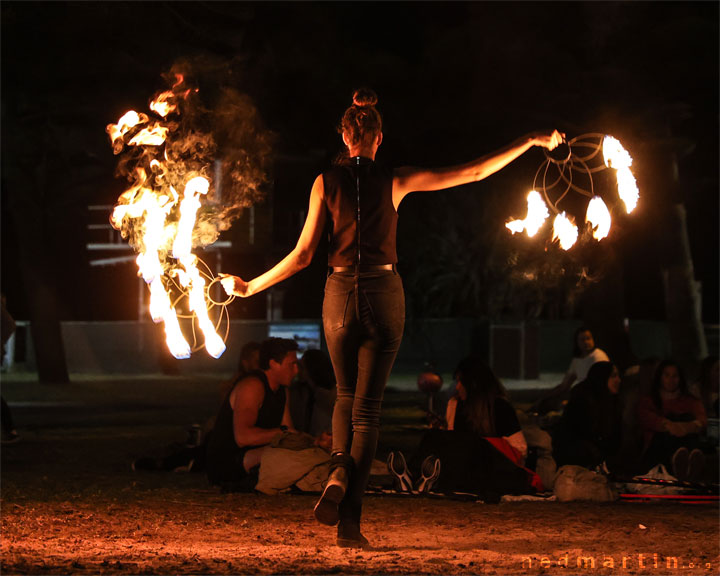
{"type": "Point", "coordinates": [364, 305]}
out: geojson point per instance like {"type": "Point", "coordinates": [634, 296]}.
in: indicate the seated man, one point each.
{"type": "Point", "coordinates": [254, 412]}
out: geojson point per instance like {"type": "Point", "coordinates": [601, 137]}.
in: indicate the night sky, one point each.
{"type": "Point", "coordinates": [455, 80]}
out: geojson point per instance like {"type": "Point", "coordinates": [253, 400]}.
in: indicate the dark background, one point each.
{"type": "Point", "coordinates": [455, 80]}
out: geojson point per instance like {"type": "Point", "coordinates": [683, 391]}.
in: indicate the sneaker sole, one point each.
{"type": "Point", "coordinates": [327, 509]}
{"type": "Point", "coordinates": [427, 482]}
{"type": "Point", "coordinates": [402, 481]}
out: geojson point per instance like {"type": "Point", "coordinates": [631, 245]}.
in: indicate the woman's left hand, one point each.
{"type": "Point", "coordinates": [549, 140]}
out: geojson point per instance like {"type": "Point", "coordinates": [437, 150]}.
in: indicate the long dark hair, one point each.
{"type": "Point", "coordinates": [483, 388]}
{"type": "Point", "coordinates": [598, 376]}
{"type": "Point", "coordinates": [657, 381]}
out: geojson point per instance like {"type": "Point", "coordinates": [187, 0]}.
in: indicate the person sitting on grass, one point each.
{"type": "Point", "coordinates": [585, 354]}
{"type": "Point", "coordinates": [191, 456]}
{"type": "Point", "coordinates": [480, 449]}
{"type": "Point", "coordinates": [672, 420]}
{"type": "Point", "coordinates": [589, 431]}
{"type": "Point", "coordinates": [254, 412]}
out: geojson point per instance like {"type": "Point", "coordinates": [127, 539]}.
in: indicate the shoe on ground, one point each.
{"type": "Point", "coordinates": [430, 474]}
{"type": "Point", "coordinates": [696, 465]}
{"type": "Point", "coordinates": [349, 536]}
{"type": "Point", "coordinates": [327, 509]}
{"type": "Point", "coordinates": [680, 461]}
{"type": "Point", "coordinates": [398, 469]}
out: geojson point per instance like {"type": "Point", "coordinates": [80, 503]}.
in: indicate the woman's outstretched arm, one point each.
{"type": "Point", "coordinates": [410, 179]}
{"type": "Point", "coordinates": [299, 258]}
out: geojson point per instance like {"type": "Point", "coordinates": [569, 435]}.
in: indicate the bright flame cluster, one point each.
{"type": "Point", "coordinates": [616, 157]}
{"type": "Point", "coordinates": [165, 243]}
{"type": "Point", "coordinates": [598, 216]}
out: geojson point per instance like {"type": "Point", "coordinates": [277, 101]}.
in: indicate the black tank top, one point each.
{"type": "Point", "coordinates": [358, 195]}
{"type": "Point", "coordinates": [224, 456]}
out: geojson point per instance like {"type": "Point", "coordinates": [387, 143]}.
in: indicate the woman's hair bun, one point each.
{"type": "Point", "coordinates": [364, 97]}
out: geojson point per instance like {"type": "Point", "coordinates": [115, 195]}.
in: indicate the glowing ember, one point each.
{"type": "Point", "coordinates": [627, 189]}
{"type": "Point", "coordinates": [565, 231]}
{"type": "Point", "coordinates": [537, 213]}
{"type": "Point", "coordinates": [599, 217]}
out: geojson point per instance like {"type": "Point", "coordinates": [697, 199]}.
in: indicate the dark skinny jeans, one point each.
{"type": "Point", "coordinates": [363, 319]}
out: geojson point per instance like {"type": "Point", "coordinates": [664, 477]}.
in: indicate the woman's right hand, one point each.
{"type": "Point", "coordinates": [234, 285]}
{"type": "Point", "coordinates": [549, 140]}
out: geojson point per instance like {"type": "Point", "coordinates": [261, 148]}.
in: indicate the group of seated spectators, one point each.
{"type": "Point", "coordinates": [483, 445]}
{"type": "Point", "coordinates": [631, 425]}
{"type": "Point", "coordinates": [621, 426]}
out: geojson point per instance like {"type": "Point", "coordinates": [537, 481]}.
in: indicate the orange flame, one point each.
{"type": "Point", "coordinates": [192, 279]}
{"type": "Point", "coordinates": [614, 154]}
{"type": "Point", "coordinates": [162, 104]}
{"type": "Point", "coordinates": [565, 231]}
{"type": "Point", "coordinates": [537, 213]}
{"type": "Point", "coordinates": [627, 189]}
{"type": "Point", "coordinates": [149, 208]}
{"type": "Point", "coordinates": [126, 123]}
{"type": "Point", "coordinates": [599, 217]}
{"type": "Point", "coordinates": [154, 136]}
{"type": "Point", "coordinates": [618, 158]}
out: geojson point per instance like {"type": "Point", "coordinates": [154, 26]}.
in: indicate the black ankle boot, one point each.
{"type": "Point", "coordinates": [327, 508]}
{"type": "Point", "coordinates": [349, 535]}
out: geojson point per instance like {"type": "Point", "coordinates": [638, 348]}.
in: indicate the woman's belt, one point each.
{"type": "Point", "coordinates": [363, 268]}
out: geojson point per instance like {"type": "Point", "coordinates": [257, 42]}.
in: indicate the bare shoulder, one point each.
{"type": "Point", "coordinates": [318, 188]}
{"type": "Point", "coordinates": [248, 391]}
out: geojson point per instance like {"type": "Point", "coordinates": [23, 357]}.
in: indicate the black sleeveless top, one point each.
{"type": "Point", "coordinates": [358, 196]}
{"type": "Point", "coordinates": [224, 456]}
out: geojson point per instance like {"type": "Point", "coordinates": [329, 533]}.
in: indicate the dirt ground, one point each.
{"type": "Point", "coordinates": [71, 504]}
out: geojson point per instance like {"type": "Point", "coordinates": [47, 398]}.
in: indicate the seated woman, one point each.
{"type": "Point", "coordinates": [481, 448]}
{"type": "Point", "coordinates": [589, 431]}
{"type": "Point", "coordinates": [585, 354]}
{"type": "Point", "coordinates": [672, 421]}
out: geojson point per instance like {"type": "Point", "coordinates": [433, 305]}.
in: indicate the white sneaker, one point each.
{"type": "Point", "coordinates": [430, 473]}
{"type": "Point", "coordinates": [398, 468]}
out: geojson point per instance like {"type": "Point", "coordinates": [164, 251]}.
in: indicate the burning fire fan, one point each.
{"type": "Point", "coordinates": [561, 176]}
{"type": "Point", "coordinates": [173, 206]}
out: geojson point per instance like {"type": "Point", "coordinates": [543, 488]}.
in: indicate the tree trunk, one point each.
{"type": "Point", "coordinates": [682, 294]}
{"type": "Point", "coordinates": [26, 187]}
